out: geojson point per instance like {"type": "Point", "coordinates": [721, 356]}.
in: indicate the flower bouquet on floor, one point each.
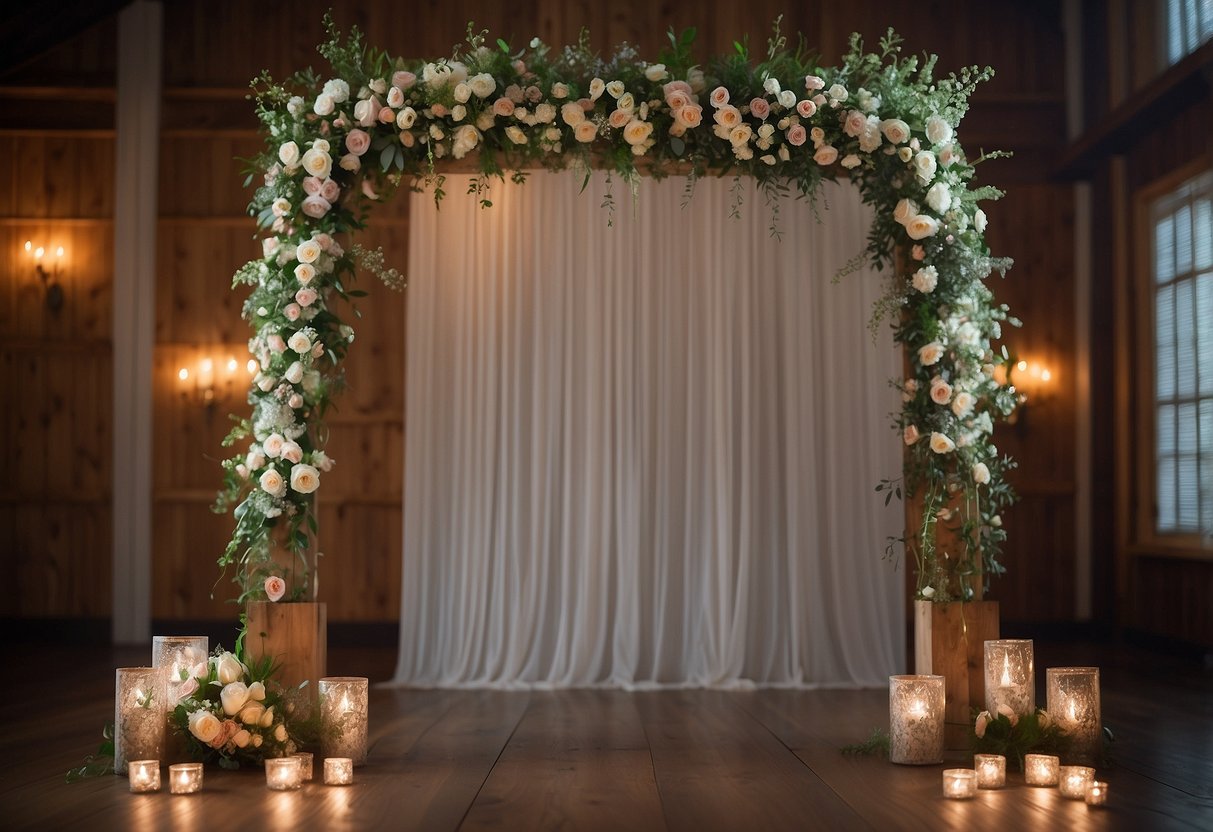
{"type": "Point", "coordinates": [1013, 735]}
{"type": "Point", "coordinates": [234, 712]}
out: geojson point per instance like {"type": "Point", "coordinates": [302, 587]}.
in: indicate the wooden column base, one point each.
{"type": "Point", "coordinates": [295, 636]}
{"type": "Point", "coordinates": [949, 641]}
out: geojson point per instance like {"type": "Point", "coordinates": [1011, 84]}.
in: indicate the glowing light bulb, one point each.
{"type": "Point", "coordinates": [232, 365]}
{"type": "Point", "coordinates": [183, 374]}
{"type": "Point", "coordinates": [38, 252]}
{"type": "Point", "coordinates": [29, 245]}
{"type": "Point", "coordinates": [251, 366]}
{"type": "Point", "coordinates": [1021, 366]}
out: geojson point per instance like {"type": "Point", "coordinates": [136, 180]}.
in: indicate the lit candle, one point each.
{"type": "Point", "coordinates": [1097, 793]}
{"type": "Point", "coordinates": [991, 770]}
{"type": "Point", "coordinates": [916, 719]}
{"type": "Point", "coordinates": [1040, 769]}
{"type": "Point", "coordinates": [1075, 780]}
{"type": "Point", "coordinates": [139, 715]}
{"type": "Point", "coordinates": [959, 783]}
{"type": "Point", "coordinates": [179, 657]}
{"type": "Point", "coordinates": [338, 771]}
{"type": "Point", "coordinates": [1073, 702]}
{"type": "Point", "coordinates": [185, 778]}
{"type": "Point", "coordinates": [343, 717]}
{"type": "Point", "coordinates": [283, 774]}
{"type": "Point", "coordinates": [144, 775]}
{"type": "Point", "coordinates": [305, 764]}
{"type": "Point", "coordinates": [1010, 676]}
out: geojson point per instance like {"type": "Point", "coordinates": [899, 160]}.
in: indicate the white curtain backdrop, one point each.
{"type": "Point", "coordinates": [645, 454]}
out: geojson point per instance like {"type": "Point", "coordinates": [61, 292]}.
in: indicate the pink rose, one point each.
{"type": "Point", "coordinates": [514, 93]}
{"type": "Point", "coordinates": [357, 142]}
{"type": "Point", "coordinates": [759, 108]}
{"type": "Point", "coordinates": [227, 730]}
{"type": "Point", "coordinates": [719, 97]}
{"type": "Point", "coordinates": [503, 107]}
{"type": "Point", "coordinates": [812, 82]}
{"type": "Point", "coordinates": [677, 99]}
{"type": "Point", "coordinates": [311, 185]}
{"type": "Point", "coordinates": [586, 104]}
{"type": "Point", "coordinates": [316, 206]}
{"type": "Point", "coordinates": [677, 86]}
{"type": "Point", "coordinates": [292, 311]}
{"type": "Point", "coordinates": [855, 123]}
{"type": "Point", "coordinates": [276, 343]}
{"type": "Point", "coordinates": [324, 241]}
{"type": "Point", "coordinates": [275, 588]}
{"type": "Point", "coordinates": [187, 688]}
{"type": "Point", "coordinates": [387, 115]}
{"type": "Point", "coordinates": [519, 67]}
{"type": "Point", "coordinates": [330, 190]}
{"type": "Point", "coordinates": [533, 94]}
{"type": "Point", "coordinates": [438, 110]}
{"type": "Point", "coordinates": [619, 119]}
{"type": "Point", "coordinates": [918, 252]}
{"type": "Point", "coordinates": [796, 135]}
{"type": "Point", "coordinates": [689, 116]}
{"type": "Point", "coordinates": [806, 108]}
{"type": "Point", "coordinates": [306, 296]}
{"type": "Point", "coordinates": [403, 79]}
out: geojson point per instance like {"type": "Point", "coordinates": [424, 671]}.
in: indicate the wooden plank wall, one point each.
{"type": "Point", "coordinates": [212, 50]}
{"type": "Point", "coordinates": [56, 367]}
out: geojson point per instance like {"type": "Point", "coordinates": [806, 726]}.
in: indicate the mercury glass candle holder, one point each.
{"type": "Point", "coordinates": [1075, 780]}
{"type": "Point", "coordinates": [1097, 793]}
{"type": "Point", "coordinates": [144, 775]}
{"type": "Point", "coordinates": [343, 717]}
{"type": "Point", "coordinates": [178, 656]}
{"type": "Point", "coordinates": [185, 778]}
{"type": "Point", "coordinates": [991, 770]}
{"type": "Point", "coordinates": [959, 783]}
{"type": "Point", "coordinates": [916, 720]}
{"type": "Point", "coordinates": [283, 774]}
{"type": "Point", "coordinates": [1040, 769]}
{"type": "Point", "coordinates": [338, 771]}
{"type": "Point", "coordinates": [1073, 703]}
{"type": "Point", "coordinates": [1010, 676]}
{"type": "Point", "coordinates": [139, 715]}
{"type": "Point", "coordinates": [305, 765]}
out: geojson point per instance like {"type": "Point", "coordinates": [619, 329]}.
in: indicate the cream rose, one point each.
{"type": "Point", "coordinates": [233, 697]}
{"type": "Point", "coordinates": [204, 725]}
{"type": "Point", "coordinates": [308, 251]}
{"type": "Point", "coordinates": [256, 690]}
{"type": "Point", "coordinates": [482, 85]}
{"type": "Point", "coordinates": [614, 88]}
{"type": "Point", "coordinates": [924, 165]}
{"type": "Point", "coordinates": [585, 132]}
{"type": "Point", "coordinates": [597, 86]}
{"type": "Point", "coordinates": [921, 226]}
{"type": "Point", "coordinates": [826, 155]}
{"type": "Point", "coordinates": [572, 114]}
{"type": "Point", "coordinates": [288, 154]}
{"type": "Point", "coordinates": [939, 198]}
{"type": "Point", "coordinates": [906, 209]}
{"type": "Point", "coordinates": [941, 391]}
{"type": "Point", "coordinates": [267, 718]}
{"type": "Point", "coordinates": [515, 134]}
{"type": "Point", "coordinates": [895, 130]}
{"type": "Point", "coordinates": [910, 435]}
{"type": "Point", "coordinates": [273, 448]}
{"type": "Point", "coordinates": [941, 444]}
{"type": "Point", "coordinates": [962, 404]}
{"type": "Point", "coordinates": [280, 733]}
{"type": "Point", "coordinates": [271, 482]}
{"type": "Point", "coordinates": [656, 72]}
{"type": "Point", "coordinates": [300, 343]}
{"type": "Point", "coordinates": [981, 473]}
{"type": "Point", "coordinates": [719, 97]}
{"type": "Point", "coordinates": [304, 478]}
{"type": "Point", "coordinates": [930, 354]}
{"type": "Point", "coordinates": [291, 451]}
{"type": "Point", "coordinates": [979, 221]}
{"type": "Point", "coordinates": [925, 279]}
{"type": "Point", "coordinates": [318, 163]}
{"type": "Point", "coordinates": [689, 116]}
{"type": "Point", "coordinates": [983, 722]}
{"type": "Point", "coordinates": [251, 713]}
{"type": "Point", "coordinates": [357, 141]}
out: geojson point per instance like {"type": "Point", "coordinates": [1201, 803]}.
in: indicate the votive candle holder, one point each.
{"type": "Point", "coordinates": [1075, 780]}
{"type": "Point", "coordinates": [1097, 793]}
{"type": "Point", "coordinates": [1073, 704]}
{"type": "Point", "coordinates": [179, 657]}
{"type": "Point", "coordinates": [991, 770]}
{"type": "Point", "coordinates": [144, 775]}
{"type": "Point", "coordinates": [185, 778]}
{"type": "Point", "coordinates": [305, 765]}
{"type": "Point", "coordinates": [139, 715]}
{"type": "Point", "coordinates": [283, 774]}
{"type": "Point", "coordinates": [959, 783]}
{"type": "Point", "coordinates": [1010, 676]}
{"type": "Point", "coordinates": [343, 717]}
{"type": "Point", "coordinates": [338, 771]}
{"type": "Point", "coordinates": [1041, 769]}
{"type": "Point", "coordinates": [916, 704]}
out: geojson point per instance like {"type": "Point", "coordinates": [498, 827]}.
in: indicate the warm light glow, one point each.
{"type": "Point", "coordinates": [251, 366]}
{"type": "Point", "coordinates": [183, 374]}
{"type": "Point", "coordinates": [206, 365]}
{"type": "Point", "coordinates": [1045, 375]}
{"type": "Point", "coordinates": [38, 252]}
{"type": "Point", "coordinates": [1021, 366]}
{"type": "Point", "coordinates": [1097, 793]}
{"type": "Point", "coordinates": [59, 251]}
{"type": "Point", "coordinates": [29, 245]}
{"type": "Point", "coordinates": [232, 364]}
{"type": "Point", "coordinates": [918, 709]}
{"type": "Point", "coordinates": [1072, 710]}
{"type": "Point", "coordinates": [346, 707]}
{"type": "Point", "coordinates": [1006, 670]}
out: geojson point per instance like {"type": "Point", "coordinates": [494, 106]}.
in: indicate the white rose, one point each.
{"type": "Point", "coordinates": [338, 89]}
{"type": "Point", "coordinates": [228, 668]}
{"type": "Point", "coordinates": [981, 473]}
{"type": "Point", "coordinates": [938, 130]}
{"type": "Point", "coordinates": [300, 343]}
{"type": "Point", "coordinates": [968, 334]}
{"type": "Point", "coordinates": [292, 452]}
{"type": "Point", "coordinates": [939, 198]}
{"type": "Point", "coordinates": [251, 713]}
{"type": "Point", "coordinates": [233, 696]}
{"type": "Point", "coordinates": [614, 88]}
{"type": "Point", "coordinates": [597, 86]}
{"type": "Point", "coordinates": [466, 139]}
{"type": "Point", "coordinates": [204, 725]}
{"type": "Point", "coordinates": [895, 130]}
{"type": "Point", "coordinates": [921, 226]}
{"type": "Point", "coordinates": [272, 483]}
{"type": "Point", "coordinates": [318, 163]}
{"type": "Point", "coordinates": [294, 373]}
{"type": "Point", "coordinates": [256, 691]}
{"type": "Point", "coordinates": [482, 85]}
{"type": "Point", "coordinates": [309, 251]}
{"type": "Point", "coordinates": [837, 93]}
{"type": "Point", "coordinates": [304, 478]}
{"type": "Point", "coordinates": [925, 279]}
{"type": "Point", "coordinates": [962, 405]}
{"type": "Point", "coordinates": [273, 449]}
{"type": "Point", "coordinates": [983, 722]}
{"type": "Point", "coordinates": [406, 118]}
{"type": "Point", "coordinates": [979, 221]}
{"type": "Point", "coordinates": [826, 155]}
{"type": "Point", "coordinates": [930, 354]}
{"type": "Point", "coordinates": [941, 444]}
{"type": "Point", "coordinates": [906, 209]}
{"type": "Point", "coordinates": [295, 105]}
{"type": "Point", "coordinates": [288, 154]}
{"type": "Point", "coordinates": [928, 592]}
{"type": "Point", "coordinates": [462, 93]}
{"type": "Point", "coordinates": [924, 164]}
{"type": "Point", "coordinates": [656, 72]}
{"type": "Point", "coordinates": [787, 99]}
{"type": "Point", "coordinates": [324, 105]}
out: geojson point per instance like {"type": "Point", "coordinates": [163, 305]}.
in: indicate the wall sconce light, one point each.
{"type": "Point", "coordinates": [198, 384]}
{"type": "Point", "coordinates": [48, 267]}
{"type": "Point", "coordinates": [1033, 382]}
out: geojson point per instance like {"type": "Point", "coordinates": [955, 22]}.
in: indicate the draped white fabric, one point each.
{"type": "Point", "coordinates": [645, 454]}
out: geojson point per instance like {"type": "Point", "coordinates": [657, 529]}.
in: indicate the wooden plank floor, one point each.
{"type": "Point", "coordinates": [609, 759]}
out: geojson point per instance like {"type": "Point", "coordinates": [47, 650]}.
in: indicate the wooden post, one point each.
{"type": "Point", "coordinates": [295, 636]}
{"type": "Point", "coordinates": [949, 641]}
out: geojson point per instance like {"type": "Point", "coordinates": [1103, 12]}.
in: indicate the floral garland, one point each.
{"type": "Point", "coordinates": [334, 147]}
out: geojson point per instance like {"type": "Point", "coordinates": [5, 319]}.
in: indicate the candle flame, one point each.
{"type": "Point", "coordinates": [346, 707]}
{"type": "Point", "coordinates": [1072, 710]}
{"type": "Point", "coordinates": [918, 708]}
{"type": "Point", "coordinates": [1006, 671]}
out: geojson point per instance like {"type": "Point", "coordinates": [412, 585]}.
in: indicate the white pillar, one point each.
{"type": "Point", "coordinates": [137, 118]}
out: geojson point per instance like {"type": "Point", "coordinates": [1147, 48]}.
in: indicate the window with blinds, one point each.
{"type": "Point", "coordinates": [1189, 24]}
{"type": "Point", "coordinates": [1183, 377]}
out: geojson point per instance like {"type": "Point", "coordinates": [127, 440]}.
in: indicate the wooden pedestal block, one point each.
{"type": "Point", "coordinates": [949, 641]}
{"type": "Point", "coordinates": [295, 636]}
